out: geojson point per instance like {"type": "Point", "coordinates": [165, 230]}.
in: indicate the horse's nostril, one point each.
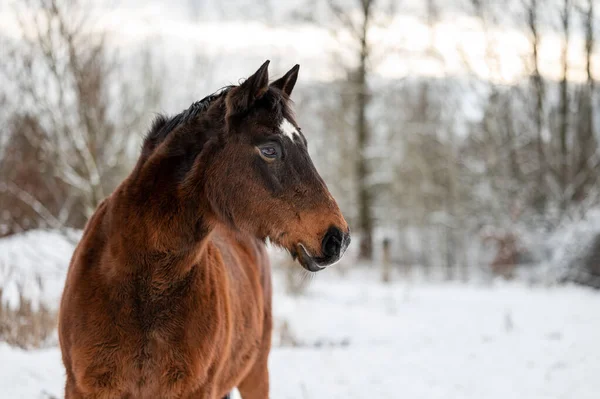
{"type": "Point", "coordinates": [332, 242]}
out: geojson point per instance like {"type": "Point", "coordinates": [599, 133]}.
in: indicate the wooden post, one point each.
{"type": "Point", "coordinates": [387, 261]}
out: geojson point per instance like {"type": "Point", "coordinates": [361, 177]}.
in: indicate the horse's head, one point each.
{"type": "Point", "coordinates": [261, 179]}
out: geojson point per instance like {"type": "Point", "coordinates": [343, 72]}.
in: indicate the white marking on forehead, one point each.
{"type": "Point", "coordinates": [288, 129]}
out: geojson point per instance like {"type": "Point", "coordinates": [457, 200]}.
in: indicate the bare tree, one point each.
{"type": "Point", "coordinates": [359, 29]}
{"type": "Point", "coordinates": [585, 162]}
{"type": "Point", "coordinates": [67, 82]}
{"type": "Point", "coordinates": [564, 104]}
{"type": "Point", "coordinates": [532, 10]}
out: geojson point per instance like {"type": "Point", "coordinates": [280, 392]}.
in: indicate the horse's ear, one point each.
{"type": "Point", "coordinates": [243, 97]}
{"type": "Point", "coordinates": [287, 82]}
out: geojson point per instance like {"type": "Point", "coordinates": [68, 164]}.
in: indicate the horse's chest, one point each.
{"type": "Point", "coordinates": [197, 340]}
{"type": "Point", "coordinates": [166, 359]}
{"type": "Point", "coordinates": [162, 366]}
{"type": "Point", "coordinates": [192, 345]}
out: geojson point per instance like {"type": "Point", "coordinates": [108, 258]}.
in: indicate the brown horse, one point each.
{"type": "Point", "coordinates": [168, 294]}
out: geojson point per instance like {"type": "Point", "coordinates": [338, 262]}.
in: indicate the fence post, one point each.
{"type": "Point", "coordinates": [386, 261]}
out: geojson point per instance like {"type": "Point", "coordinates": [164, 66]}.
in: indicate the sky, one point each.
{"type": "Point", "coordinates": [235, 34]}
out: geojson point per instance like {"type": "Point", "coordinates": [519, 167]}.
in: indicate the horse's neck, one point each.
{"type": "Point", "coordinates": [159, 242]}
{"type": "Point", "coordinates": [160, 218]}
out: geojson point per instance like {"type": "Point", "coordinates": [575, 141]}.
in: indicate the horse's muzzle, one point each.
{"type": "Point", "coordinates": [334, 244]}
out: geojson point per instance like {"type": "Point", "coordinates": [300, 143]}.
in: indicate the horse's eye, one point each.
{"type": "Point", "coordinates": [269, 152]}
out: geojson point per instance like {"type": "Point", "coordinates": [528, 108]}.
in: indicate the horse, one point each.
{"type": "Point", "coordinates": [168, 292]}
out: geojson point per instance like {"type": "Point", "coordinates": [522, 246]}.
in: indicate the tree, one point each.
{"type": "Point", "coordinates": [564, 105]}
{"type": "Point", "coordinates": [539, 93]}
{"type": "Point", "coordinates": [72, 109]}
{"type": "Point", "coordinates": [359, 31]}
{"type": "Point", "coordinates": [586, 157]}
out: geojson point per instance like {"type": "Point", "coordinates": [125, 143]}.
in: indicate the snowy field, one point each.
{"type": "Point", "coordinates": [355, 338]}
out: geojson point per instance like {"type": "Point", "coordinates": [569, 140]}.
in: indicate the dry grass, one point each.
{"type": "Point", "coordinates": [25, 327]}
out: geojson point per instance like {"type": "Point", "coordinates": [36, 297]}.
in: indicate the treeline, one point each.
{"type": "Point", "coordinates": [455, 163]}
{"type": "Point", "coordinates": [442, 163]}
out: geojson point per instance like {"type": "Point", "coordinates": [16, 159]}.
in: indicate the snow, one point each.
{"type": "Point", "coordinates": [357, 338]}
{"type": "Point", "coordinates": [34, 374]}
{"type": "Point", "coordinates": [35, 265]}
{"type": "Point", "coordinates": [440, 341]}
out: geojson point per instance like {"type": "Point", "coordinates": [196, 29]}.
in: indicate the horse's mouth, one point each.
{"type": "Point", "coordinates": [309, 262]}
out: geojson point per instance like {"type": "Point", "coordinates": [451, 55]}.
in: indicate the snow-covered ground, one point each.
{"type": "Point", "coordinates": [440, 341]}
{"type": "Point", "coordinates": [33, 266]}
{"type": "Point", "coordinates": [360, 339]}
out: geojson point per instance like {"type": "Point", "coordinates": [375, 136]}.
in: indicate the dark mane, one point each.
{"type": "Point", "coordinates": [163, 125]}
